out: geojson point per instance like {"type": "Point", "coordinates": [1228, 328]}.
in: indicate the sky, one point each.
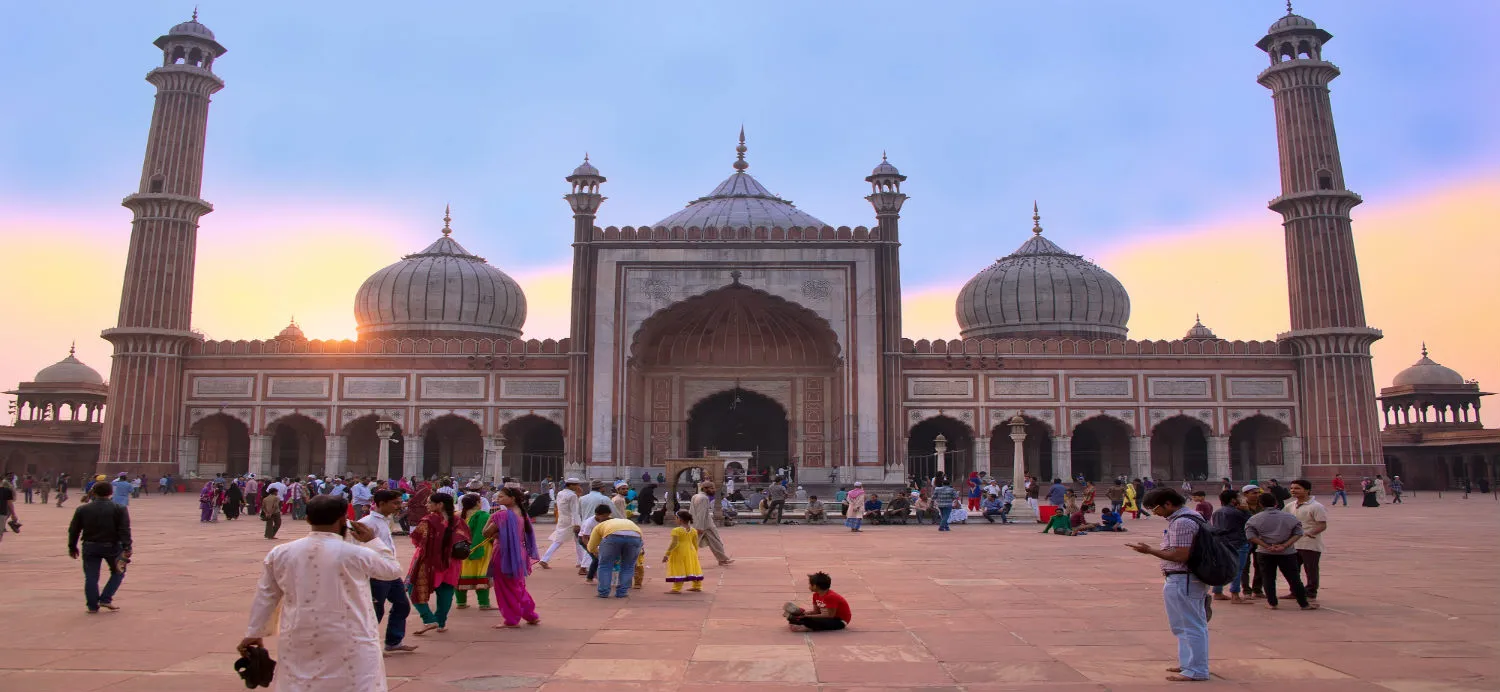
{"type": "Point", "coordinates": [1139, 128]}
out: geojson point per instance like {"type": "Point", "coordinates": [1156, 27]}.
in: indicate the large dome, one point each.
{"type": "Point", "coordinates": [1426, 373]}
{"type": "Point", "coordinates": [740, 201]}
{"type": "Point", "coordinates": [69, 370]}
{"type": "Point", "coordinates": [441, 291]}
{"type": "Point", "coordinates": [1042, 291]}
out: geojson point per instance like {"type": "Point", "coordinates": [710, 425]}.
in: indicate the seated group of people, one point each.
{"type": "Point", "coordinates": [1077, 523]}
{"type": "Point", "coordinates": [897, 511]}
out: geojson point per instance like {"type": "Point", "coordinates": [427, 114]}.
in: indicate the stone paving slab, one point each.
{"type": "Point", "coordinates": [1409, 606]}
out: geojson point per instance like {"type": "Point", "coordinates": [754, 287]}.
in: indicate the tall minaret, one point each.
{"type": "Point", "coordinates": [585, 200]}
{"type": "Point", "coordinates": [887, 198]}
{"type": "Point", "coordinates": [1339, 420]}
{"type": "Point", "coordinates": [156, 304]}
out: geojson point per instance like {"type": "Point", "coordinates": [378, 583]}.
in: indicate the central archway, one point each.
{"type": "Point", "coordinates": [739, 420]}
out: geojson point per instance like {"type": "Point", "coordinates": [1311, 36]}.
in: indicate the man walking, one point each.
{"type": "Point", "coordinates": [702, 509]}
{"type": "Point", "coordinates": [384, 505]}
{"type": "Point", "coordinates": [1184, 596]}
{"type": "Point", "coordinates": [943, 497]}
{"type": "Point", "coordinates": [568, 520]}
{"type": "Point", "coordinates": [775, 503]}
{"type": "Point", "coordinates": [318, 588]}
{"type": "Point", "coordinates": [270, 512]}
{"type": "Point", "coordinates": [1314, 518]}
{"type": "Point", "coordinates": [121, 489]}
{"type": "Point", "coordinates": [104, 528]}
{"type": "Point", "coordinates": [363, 498]}
{"type": "Point", "coordinates": [7, 507]}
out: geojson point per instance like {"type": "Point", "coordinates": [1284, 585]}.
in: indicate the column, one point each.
{"type": "Point", "coordinates": [1140, 456]}
{"type": "Point", "coordinates": [383, 432]}
{"type": "Point", "coordinates": [940, 445]}
{"type": "Point", "coordinates": [411, 456]}
{"type": "Point", "coordinates": [1291, 457]}
{"type": "Point", "coordinates": [260, 455]}
{"type": "Point", "coordinates": [1218, 457]}
{"type": "Point", "coordinates": [1062, 459]}
{"type": "Point", "coordinates": [187, 456]}
{"type": "Point", "coordinates": [1018, 472]}
{"type": "Point", "coordinates": [335, 455]}
{"type": "Point", "coordinates": [494, 458]}
{"type": "Point", "coordinates": [982, 455]}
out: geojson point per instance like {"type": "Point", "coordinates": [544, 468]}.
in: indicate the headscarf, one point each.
{"type": "Point", "coordinates": [855, 494]}
{"type": "Point", "coordinates": [515, 544]}
{"type": "Point", "coordinates": [435, 542]}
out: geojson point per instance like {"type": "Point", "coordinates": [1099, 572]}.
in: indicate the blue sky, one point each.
{"type": "Point", "coordinates": [1117, 116]}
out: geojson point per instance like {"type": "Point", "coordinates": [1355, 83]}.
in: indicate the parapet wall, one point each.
{"type": "Point", "coordinates": [1094, 347]}
{"type": "Point", "coordinates": [439, 346]}
{"type": "Point", "coordinates": [694, 233]}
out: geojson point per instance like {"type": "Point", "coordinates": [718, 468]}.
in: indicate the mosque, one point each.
{"type": "Point", "coordinates": [745, 325]}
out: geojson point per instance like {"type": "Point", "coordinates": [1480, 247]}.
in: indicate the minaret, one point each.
{"type": "Point", "coordinates": [1340, 421]}
{"type": "Point", "coordinates": [156, 304]}
{"type": "Point", "coordinates": [885, 195]}
{"type": "Point", "coordinates": [584, 200]}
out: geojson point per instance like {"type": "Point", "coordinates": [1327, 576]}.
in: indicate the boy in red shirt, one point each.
{"type": "Point", "coordinates": [830, 610]}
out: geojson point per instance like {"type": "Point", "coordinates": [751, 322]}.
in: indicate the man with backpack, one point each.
{"type": "Point", "coordinates": [1184, 595]}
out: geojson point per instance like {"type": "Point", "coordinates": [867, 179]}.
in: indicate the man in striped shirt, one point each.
{"type": "Point", "coordinates": [1184, 596]}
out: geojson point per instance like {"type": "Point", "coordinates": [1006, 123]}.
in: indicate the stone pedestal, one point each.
{"type": "Point", "coordinates": [494, 458]}
{"type": "Point", "coordinates": [383, 432]}
{"type": "Point", "coordinates": [1291, 457]}
{"type": "Point", "coordinates": [187, 456]}
{"type": "Point", "coordinates": [982, 455]}
{"type": "Point", "coordinates": [335, 455]}
{"type": "Point", "coordinates": [1062, 460]}
{"type": "Point", "coordinates": [260, 455]}
{"type": "Point", "coordinates": [1218, 457]}
{"type": "Point", "coordinates": [411, 456]}
{"type": "Point", "coordinates": [1140, 456]}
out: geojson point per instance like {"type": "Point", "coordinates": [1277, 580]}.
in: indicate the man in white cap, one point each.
{"type": "Point", "coordinates": [567, 525]}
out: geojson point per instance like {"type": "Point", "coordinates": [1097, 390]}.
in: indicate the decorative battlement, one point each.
{"type": "Point", "coordinates": [440, 346]}
{"type": "Point", "coordinates": [1094, 347]}
{"type": "Point", "coordinates": [696, 234]}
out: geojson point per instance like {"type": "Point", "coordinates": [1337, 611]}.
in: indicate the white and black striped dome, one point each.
{"type": "Point", "coordinates": [1042, 291]}
{"type": "Point", "coordinates": [444, 290]}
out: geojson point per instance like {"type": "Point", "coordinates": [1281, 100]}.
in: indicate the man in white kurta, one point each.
{"type": "Point", "coordinates": [318, 587]}
{"type": "Point", "coordinates": [568, 520]}
{"type": "Point", "coordinates": [703, 520]}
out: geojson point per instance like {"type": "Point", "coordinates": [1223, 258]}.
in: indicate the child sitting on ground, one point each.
{"type": "Point", "coordinates": [830, 610]}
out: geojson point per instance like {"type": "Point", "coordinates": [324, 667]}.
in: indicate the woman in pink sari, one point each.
{"type": "Point", "coordinates": [515, 550]}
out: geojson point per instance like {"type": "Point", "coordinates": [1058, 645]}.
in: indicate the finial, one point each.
{"type": "Point", "coordinates": [1036, 219]}
{"type": "Point", "coordinates": [585, 157]}
{"type": "Point", "coordinates": [882, 156]}
{"type": "Point", "coordinates": [1424, 349]}
{"type": "Point", "coordinates": [448, 216]}
{"type": "Point", "coordinates": [72, 349]}
{"type": "Point", "coordinates": [739, 163]}
{"type": "Point", "coordinates": [195, 12]}
{"type": "Point", "coordinates": [1198, 318]}
{"type": "Point", "coordinates": [1288, 6]}
{"type": "Point", "coordinates": [735, 275]}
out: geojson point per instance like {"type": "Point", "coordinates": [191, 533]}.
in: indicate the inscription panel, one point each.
{"type": "Point", "coordinates": [1021, 388]}
{"type": "Point", "coordinates": [452, 387]}
{"type": "Point", "coordinates": [297, 387]}
{"type": "Point", "coordinates": [360, 387]}
{"type": "Point", "coordinates": [531, 388]}
{"type": "Point", "coordinates": [224, 387]}
{"type": "Point", "coordinates": [1258, 387]}
{"type": "Point", "coordinates": [940, 388]}
{"type": "Point", "coordinates": [1179, 387]}
{"type": "Point", "coordinates": [1100, 387]}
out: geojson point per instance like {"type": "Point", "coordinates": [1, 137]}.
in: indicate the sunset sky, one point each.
{"type": "Point", "coordinates": [346, 126]}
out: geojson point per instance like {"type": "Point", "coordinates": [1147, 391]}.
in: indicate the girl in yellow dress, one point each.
{"type": "Point", "coordinates": [682, 555]}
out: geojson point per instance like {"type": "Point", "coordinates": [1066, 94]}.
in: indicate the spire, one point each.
{"type": "Point", "coordinates": [1424, 349]}
{"type": "Point", "coordinates": [739, 163]}
{"type": "Point", "coordinates": [195, 12]}
{"type": "Point", "coordinates": [448, 216]}
{"type": "Point", "coordinates": [73, 349]}
{"type": "Point", "coordinates": [1036, 219]}
{"type": "Point", "coordinates": [1288, 6]}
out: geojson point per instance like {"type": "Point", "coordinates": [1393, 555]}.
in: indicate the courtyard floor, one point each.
{"type": "Point", "coordinates": [1410, 604]}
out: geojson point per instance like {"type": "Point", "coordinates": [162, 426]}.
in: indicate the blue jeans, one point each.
{"type": "Point", "coordinates": [1242, 555]}
{"type": "Point", "coordinates": [93, 554]}
{"type": "Point", "coordinates": [617, 553]}
{"type": "Point", "coordinates": [1185, 599]}
{"type": "Point", "coordinates": [395, 592]}
{"type": "Point", "coordinates": [1339, 494]}
{"type": "Point", "coordinates": [943, 513]}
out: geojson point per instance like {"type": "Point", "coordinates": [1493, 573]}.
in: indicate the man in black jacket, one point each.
{"type": "Point", "coordinates": [105, 529]}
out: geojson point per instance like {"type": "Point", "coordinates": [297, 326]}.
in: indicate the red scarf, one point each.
{"type": "Point", "coordinates": [437, 541]}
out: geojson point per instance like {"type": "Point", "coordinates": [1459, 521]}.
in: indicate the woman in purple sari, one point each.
{"type": "Point", "coordinates": [515, 550]}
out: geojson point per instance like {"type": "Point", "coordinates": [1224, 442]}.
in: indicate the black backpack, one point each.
{"type": "Point", "coordinates": [1211, 558]}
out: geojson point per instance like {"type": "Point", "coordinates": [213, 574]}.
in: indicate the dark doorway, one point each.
{"type": "Point", "coordinates": [452, 443]}
{"type": "Point", "coordinates": [533, 448]}
{"type": "Point", "coordinates": [921, 449]}
{"type": "Point", "coordinates": [739, 420]}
